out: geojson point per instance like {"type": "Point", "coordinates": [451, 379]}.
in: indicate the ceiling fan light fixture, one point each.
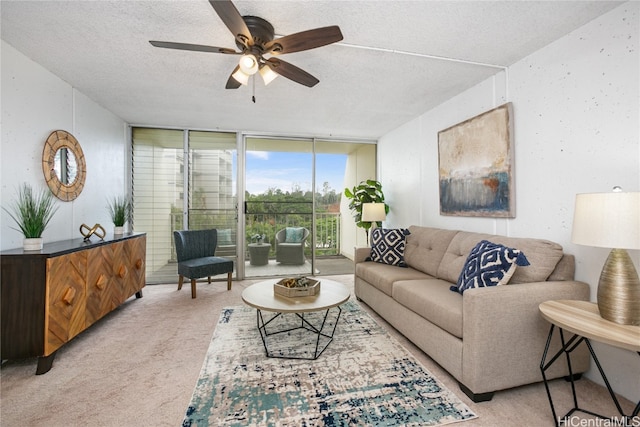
{"type": "Point", "coordinates": [249, 64]}
{"type": "Point", "coordinates": [268, 75]}
{"type": "Point", "coordinates": [241, 77]}
{"type": "Point", "coordinates": [255, 37]}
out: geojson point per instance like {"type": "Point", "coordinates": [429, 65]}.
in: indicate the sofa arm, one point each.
{"type": "Point", "coordinates": [504, 334]}
{"type": "Point", "coordinates": [361, 254]}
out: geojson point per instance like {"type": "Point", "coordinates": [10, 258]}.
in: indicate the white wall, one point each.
{"type": "Point", "coordinates": [360, 166]}
{"type": "Point", "coordinates": [577, 120]}
{"type": "Point", "coordinates": [34, 103]}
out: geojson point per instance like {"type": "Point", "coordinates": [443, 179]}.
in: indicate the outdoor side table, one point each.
{"type": "Point", "coordinates": [259, 253]}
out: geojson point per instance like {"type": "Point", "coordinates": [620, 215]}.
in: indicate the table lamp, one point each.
{"type": "Point", "coordinates": [373, 212]}
{"type": "Point", "coordinates": [612, 220]}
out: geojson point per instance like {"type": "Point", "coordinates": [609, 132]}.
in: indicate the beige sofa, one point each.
{"type": "Point", "coordinates": [490, 338]}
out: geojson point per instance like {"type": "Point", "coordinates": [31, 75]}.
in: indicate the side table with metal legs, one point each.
{"type": "Point", "coordinates": [582, 319]}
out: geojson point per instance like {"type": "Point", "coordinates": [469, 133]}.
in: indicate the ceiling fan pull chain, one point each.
{"type": "Point", "coordinates": [253, 83]}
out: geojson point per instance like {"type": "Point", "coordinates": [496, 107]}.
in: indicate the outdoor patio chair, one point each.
{"type": "Point", "coordinates": [196, 257]}
{"type": "Point", "coordinates": [290, 243]}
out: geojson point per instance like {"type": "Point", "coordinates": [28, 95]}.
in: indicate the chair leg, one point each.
{"type": "Point", "coordinates": [180, 280]}
{"type": "Point", "coordinates": [193, 288]}
{"type": "Point", "coordinates": [209, 279]}
{"type": "Point", "coordinates": [229, 280]}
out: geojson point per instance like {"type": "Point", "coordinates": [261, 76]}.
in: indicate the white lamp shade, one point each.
{"type": "Point", "coordinates": [268, 75]}
{"type": "Point", "coordinates": [241, 77]}
{"type": "Point", "coordinates": [372, 212]}
{"type": "Point", "coordinates": [248, 64]}
{"type": "Point", "coordinates": [608, 220]}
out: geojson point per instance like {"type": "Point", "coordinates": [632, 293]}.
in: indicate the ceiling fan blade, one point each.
{"type": "Point", "coordinates": [292, 72]}
{"type": "Point", "coordinates": [305, 40]}
{"type": "Point", "coordinates": [233, 83]}
{"type": "Point", "coordinates": [233, 20]}
{"type": "Point", "coordinates": [193, 47]}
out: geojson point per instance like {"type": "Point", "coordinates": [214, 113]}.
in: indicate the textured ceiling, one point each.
{"type": "Point", "coordinates": [369, 83]}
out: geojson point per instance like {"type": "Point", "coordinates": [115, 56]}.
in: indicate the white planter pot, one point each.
{"type": "Point", "coordinates": [32, 244]}
{"type": "Point", "coordinates": [118, 230]}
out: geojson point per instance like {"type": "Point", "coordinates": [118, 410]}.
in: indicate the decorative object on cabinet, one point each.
{"type": "Point", "coordinates": [476, 166]}
{"type": "Point", "coordinates": [120, 211]}
{"type": "Point", "coordinates": [49, 297]}
{"type": "Point", "coordinates": [32, 212]}
{"type": "Point", "coordinates": [63, 165]}
{"type": "Point", "coordinates": [612, 220]}
{"type": "Point", "coordinates": [97, 230]}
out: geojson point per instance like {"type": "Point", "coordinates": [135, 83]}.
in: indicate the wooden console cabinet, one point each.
{"type": "Point", "coordinates": [50, 296]}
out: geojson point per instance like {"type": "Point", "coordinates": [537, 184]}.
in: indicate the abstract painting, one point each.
{"type": "Point", "coordinates": [476, 166]}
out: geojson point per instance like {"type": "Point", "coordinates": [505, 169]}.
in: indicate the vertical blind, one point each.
{"type": "Point", "coordinates": [158, 189]}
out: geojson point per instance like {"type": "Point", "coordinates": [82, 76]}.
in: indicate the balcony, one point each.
{"type": "Point", "coordinates": [325, 238]}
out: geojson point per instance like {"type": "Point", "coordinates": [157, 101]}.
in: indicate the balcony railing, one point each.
{"type": "Point", "coordinates": [326, 233]}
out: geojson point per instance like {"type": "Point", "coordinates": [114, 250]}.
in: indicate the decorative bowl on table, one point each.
{"type": "Point", "coordinates": [296, 287]}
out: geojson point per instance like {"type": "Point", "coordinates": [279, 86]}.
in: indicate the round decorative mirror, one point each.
{"type": "Point", "coordinates": [63, 165]}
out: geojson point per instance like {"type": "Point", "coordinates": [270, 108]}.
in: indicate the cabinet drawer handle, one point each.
{"type": "Point", "coordinates": [101, 282]}
{"type": "Point", "coordinates": [69, 296]}
{"type": "Point", "coordinates": [139, 264]}
{"type": "Point", "coordinates": [122, 272]}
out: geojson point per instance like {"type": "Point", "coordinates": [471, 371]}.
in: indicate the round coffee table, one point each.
{"type": "Point", "coordinates": [321, 326]}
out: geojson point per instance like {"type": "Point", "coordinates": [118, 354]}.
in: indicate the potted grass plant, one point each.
{"type": "Point", "coordinates": [120, 211]}
{"type": "Point", "coordinates": [32, 212]}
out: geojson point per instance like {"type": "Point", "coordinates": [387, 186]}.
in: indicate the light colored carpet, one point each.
{"type": "Point", "coordinates": [364, 377]}
{"type": "Point", "coordinates": [139, 366]}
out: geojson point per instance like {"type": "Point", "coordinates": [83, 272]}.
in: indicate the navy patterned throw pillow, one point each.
{"type": "Point", "coordinates": [387, 246]}
{"type": "Point", "coordinates": [489, 264]}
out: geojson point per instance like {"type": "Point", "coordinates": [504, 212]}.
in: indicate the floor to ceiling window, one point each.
{"type": "Point", "coordinates": [291, 219]}
{"type": "Point", "coordinates": [164, 201]}
{"type": "Point", "coordinates": [158, 178]}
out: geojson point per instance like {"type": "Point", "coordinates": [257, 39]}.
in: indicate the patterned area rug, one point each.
{"type": "Point", "coordinates": [364, 377]}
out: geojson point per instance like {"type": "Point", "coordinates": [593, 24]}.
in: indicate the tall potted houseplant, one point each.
{"type": "Point", "coordinates": [369, 191]}
{"type": "Point", "coordinates": [32, 212]}
{"type": "Point", "coordinates": [120, 211]}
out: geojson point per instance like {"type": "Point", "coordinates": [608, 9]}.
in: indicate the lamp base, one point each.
{"type": "Point", "coordinates": [374, 225]}
{"type": "Point", "coordinates": [619, 289]}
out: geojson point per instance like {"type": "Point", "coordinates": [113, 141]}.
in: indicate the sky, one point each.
{"type": "Point", "coordinates": [289, 171]}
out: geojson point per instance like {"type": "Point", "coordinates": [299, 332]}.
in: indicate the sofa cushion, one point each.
{"type": "Point", "coordinates": [543, 256]}
{"type": "Point", "coordinates": [387, 246]}
{"type": "Point", "coordinates": [489, 264]}
{"type": "Point", "coordinates": [432, 299]}
{"type": "Point", "coordinates": [425, 248]}
{"type": "Point", "coordinates": [382, 276]}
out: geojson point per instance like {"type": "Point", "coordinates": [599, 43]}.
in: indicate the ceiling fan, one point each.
{"type": "Point", "coordinates": [255, 38]}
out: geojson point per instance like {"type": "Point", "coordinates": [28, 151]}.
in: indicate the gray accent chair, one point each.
{"type": "Point", "coordinates": [290, 252]}
{"type": "Point", "coordinates": [196, 257]}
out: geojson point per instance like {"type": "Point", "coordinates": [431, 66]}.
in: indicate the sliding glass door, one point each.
{"type": "Point", "coordinates": [295, 186]}
{"type": "Point", "coordinates": [212, 186]}
{"type": "Point", "coordinates": [278, 206]}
